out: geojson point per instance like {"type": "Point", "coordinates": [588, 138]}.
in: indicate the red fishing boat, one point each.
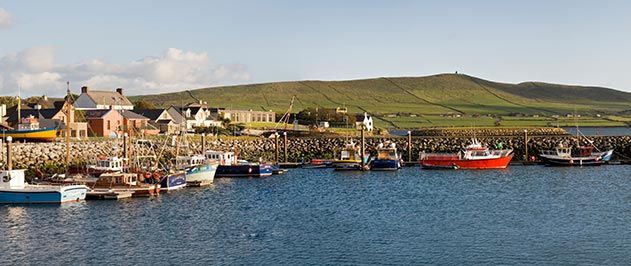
{"type": "Point", "coordinates": [474, 156]}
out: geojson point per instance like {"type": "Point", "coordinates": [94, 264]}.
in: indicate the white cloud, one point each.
{"type": "Point", "coordinates": [5, 19]}
{"type": "Point", "coordinates": [36, 73]}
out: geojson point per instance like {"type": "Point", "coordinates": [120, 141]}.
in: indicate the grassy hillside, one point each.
{"type": "Point", "coordinates": [432, 95]}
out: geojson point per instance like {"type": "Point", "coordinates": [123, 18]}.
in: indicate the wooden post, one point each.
{"type": "Point", "coordinates": [526, 144]}
{"type": "Point", "coordinates": [285, 145]}
{"type": "Point", "coordinates": [204, 144]}
{"type": "Point", "coordinates": [362, 149]}
{"type": "Point", "coordinates": [276, 147]}
{"type": "Point", "coordinates": [409, 146]}
{"type": "Point", "coordinates": [124, 147]}
{"type": "Point", "coordinates": [9, 159]}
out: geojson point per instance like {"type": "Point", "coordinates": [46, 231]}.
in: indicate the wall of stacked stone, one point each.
{"type": "Point", "coordinates": [29, 155]}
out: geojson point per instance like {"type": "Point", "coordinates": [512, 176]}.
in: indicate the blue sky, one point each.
{"type": "Point", "coordinates": [158, 46]}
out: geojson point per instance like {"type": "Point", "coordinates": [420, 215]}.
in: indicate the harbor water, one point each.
{"type": "Point", "coordinates": [521, 215]}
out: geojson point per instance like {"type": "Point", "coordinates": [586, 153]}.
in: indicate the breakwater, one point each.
{"type": "Point", "coordinates": [30, 155]}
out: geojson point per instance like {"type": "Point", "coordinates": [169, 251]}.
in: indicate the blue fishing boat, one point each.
{"type": "Point", "coordinates": [230, 167]}
{"type": "Point", "coordinates": [13, 189]}
{"type": "Point", "coordinates": [388, 159]}
{"type": "Point", "coordinates": [173, 181]}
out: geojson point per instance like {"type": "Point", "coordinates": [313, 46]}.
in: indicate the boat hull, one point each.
{"type": "Point", "coordinates": [173, 182]}
{"type": "Point", "coordinates": [385, 165]}
{"type": "Point", "coordinates": [494, 163]}
{"type": "Point", "coordinates": [347, 165]}
{"type": "Point", "coordinates": [262, 170]}
{"type": "Point", "coordinates": [202, 175]}
{"type": "Point", "coordinates": [572, 161]}
{"type": "Point", "coordinates": [38, 135]}
{"type": "Point", "coordinates": [42, 194]}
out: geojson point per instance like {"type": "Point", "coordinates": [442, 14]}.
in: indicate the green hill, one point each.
{"type": "Point", "coordinates": [431, 95]}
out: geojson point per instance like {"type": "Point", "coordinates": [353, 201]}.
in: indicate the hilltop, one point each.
{"type": "Point", "coordinates": [431, 95]}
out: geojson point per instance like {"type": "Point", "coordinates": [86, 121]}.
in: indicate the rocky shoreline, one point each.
{"type": "Point", "coordinates": [34, 155]}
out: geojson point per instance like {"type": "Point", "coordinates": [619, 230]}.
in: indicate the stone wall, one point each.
{"type": "Point", "coordinates": [30, 155]}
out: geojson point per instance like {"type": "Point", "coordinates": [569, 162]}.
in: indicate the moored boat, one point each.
{"type": "Point", "coordinates": [29, 130]}
{"type": "Point", "coordinates": [13, 189]}
{"type": "Point", "coordinates": [563, 156]}
{"type": "Point", "coordinates": [199, 171]}
{"type": "Point", "coordinates": [229, 166]}
{"type": "Point", "coordinates": [122, 183]}
{"type": "Point", "coordinates": [350, 159]}
{"type": "Point", "coordinates": [388, 159]}
{"type": "Point", "coordinates": [474, 156]}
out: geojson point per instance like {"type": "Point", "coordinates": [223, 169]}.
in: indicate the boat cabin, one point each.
{"type": "Point", "coordinates": [28, 123]}
{"type": "Point", "coordinates": [350, 153]}
{"type": "Point", "coordinates": [559, 151]}
{"type": "Point", "coordinates": [108, 164]}
{"type": "Point", "coordinates": [116, 179]}
{"type": "Point", "coordinates": [13, 179]}
{"type": "Point", "coordinates": [224, 158]}
{"type": "Point", "coordinates": [183, 162]}
{"type": "Point", "coordinates": [387, 151]}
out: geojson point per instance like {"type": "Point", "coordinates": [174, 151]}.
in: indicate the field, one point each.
{"type": "Point", "coordinates": [433, 100]}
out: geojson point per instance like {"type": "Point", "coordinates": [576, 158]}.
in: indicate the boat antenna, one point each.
{"type": "Point", "coordinates": [19, 107]}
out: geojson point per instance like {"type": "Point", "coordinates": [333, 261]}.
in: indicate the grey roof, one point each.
{"type": "Point", "coordinates": [108, 98]}
{"type": "Point", "coordinates": [153, 114]}
{"type": "Point", "coordinates": [132, 115]}
{"type": "Point", "coordinates": [39, 113]}
{"type": "Point", "coordinates": [92, 114]}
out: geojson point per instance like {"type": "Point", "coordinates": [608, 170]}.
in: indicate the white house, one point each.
{"type": "Point", "coordinates": [365, 121]}
{"type": "Point", "coordinates": [99, 100]}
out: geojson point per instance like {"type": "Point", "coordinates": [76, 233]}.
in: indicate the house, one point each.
{"type": "Point", "coordinates": [195, 116]}
{"type": "Point", "coordinates": [102, 100]}
{"type": "Point", "coordinates": [160, 119]}
{"type": "Point", "coordinates": [104, 123]}
{"type": "Point", "coordinates": [365, 120]}
{"type": "Point", "coordinates": [247, 116]}
{"type": "Point", "coordinates": [135, 124]}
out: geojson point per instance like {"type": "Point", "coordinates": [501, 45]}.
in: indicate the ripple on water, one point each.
{"type": "Point", "coordinates": [521, 215]}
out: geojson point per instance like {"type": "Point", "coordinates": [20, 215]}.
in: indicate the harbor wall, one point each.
{"type": "Point", "coordinates": [29, 155]}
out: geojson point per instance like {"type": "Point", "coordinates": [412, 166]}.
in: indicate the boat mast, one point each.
{"type": "Point", "coordinates": [19, 107]}
{"type": "Point", "coordinates": [67, 129]}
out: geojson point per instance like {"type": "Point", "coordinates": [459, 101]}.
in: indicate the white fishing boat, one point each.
{"type": "Point", "coordinates": [14, 188]}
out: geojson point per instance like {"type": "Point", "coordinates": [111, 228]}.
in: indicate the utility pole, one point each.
{"type": "Point", "coordinates": [363, 148]}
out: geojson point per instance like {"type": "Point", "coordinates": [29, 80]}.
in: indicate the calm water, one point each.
{"type": "Point", "coordinates": [533, 215]}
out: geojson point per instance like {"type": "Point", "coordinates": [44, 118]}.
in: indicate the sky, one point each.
{"type": "Point", "coordinates": [151, 47]}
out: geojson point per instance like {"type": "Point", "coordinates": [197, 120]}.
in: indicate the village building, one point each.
{"type": "Point", "coordinates": [364, 120]}
{"type": "Point", "coordinates": [247, 116]}
{"type": "Point", "coordinates": [49, 114]}
{"type": "Point", "coordinates": [102, 100]}
{"type": "Point", "coordinates": [160, 119]}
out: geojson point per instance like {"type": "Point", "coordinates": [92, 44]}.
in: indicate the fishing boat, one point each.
{"type": "Point", "coordinates": [198, 170]}
{"type": "Point", "coordinates": [563, 155]}
{"type": "Point", "coordinates": [110, 184]}
{"type": "Point", "coordinates": [229, 166]}
{"type": "Point", "coordinates": [474, 156]}
{"type": "Point", "coordinates": [585, 156]}
{"type": "Point", "coordinates": [350, 159]}
{"type": "Point", "coordinates": [14, 189]}
{"type": "Point", "coordinates": [29, 130]}
{"type": "Point", "coordinates": [388, 159]}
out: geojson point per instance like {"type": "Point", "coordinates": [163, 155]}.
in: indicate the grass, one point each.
{"type": "Point", "coordinates": [432, 95]}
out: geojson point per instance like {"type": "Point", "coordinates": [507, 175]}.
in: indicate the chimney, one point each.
{"type": "Point", "coordinates": [120, 91]}
{"type": "Point", "coordinates": [45, 98]}
{"type": "Point", "coordinates": [84, 89]}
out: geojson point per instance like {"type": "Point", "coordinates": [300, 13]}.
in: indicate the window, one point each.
{"type": "Point", "coordinates": [109, 125]}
